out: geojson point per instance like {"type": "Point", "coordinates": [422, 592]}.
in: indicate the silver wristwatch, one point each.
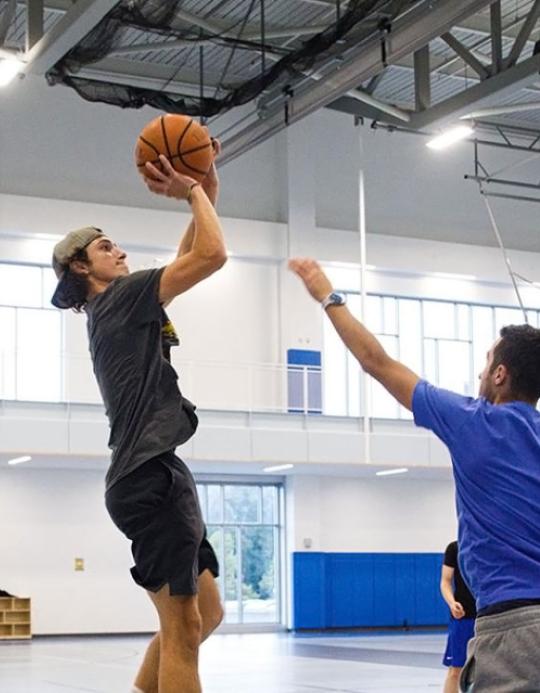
{"type": "Point", "coordinates": [334, 299]}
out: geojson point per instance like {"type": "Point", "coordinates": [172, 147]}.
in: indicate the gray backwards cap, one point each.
{"type": "Point", "coordinates": [63, 253]}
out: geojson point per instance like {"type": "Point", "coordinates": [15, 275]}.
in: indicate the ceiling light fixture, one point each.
{"type": "Point", "coordinates": [9, 68]}
{"type": "Point", "coordinates": [450, 137]}
{"type": "Point", "coordinates": [389, 472]}
{"type": "Point", "coordinates": [278, 468]}
{"type": "Point", "coordinates": [19, 460]}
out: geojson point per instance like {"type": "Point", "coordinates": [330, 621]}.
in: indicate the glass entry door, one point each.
{"type": "Point", "coordinates": [243, 523]}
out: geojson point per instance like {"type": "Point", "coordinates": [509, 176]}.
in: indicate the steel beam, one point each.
{"type": "Point", "coordinates": [505, 145]}
{"type": "Point", "coordinates": [465, 54]}
{"type": "Point", "coordinates": [410, 32]}
{"type": "Point", "coordinates": [524, 33]}
{"type": "Point", "coordinates": [518, 198]}
{"type": "Point", "coordinates": [374, 83]}
{"type": "Point", "coordinates": [502, 110]}
{"type": "Point", "coordinates": [511, 79]}
{"type": "Point", "coordinates": [148, 76]}
{"type": "Point", "coordinates": [379, 106]}
{"type": "Point", "coordinates": [34, 22]}
{"type": "Point", "coordinates": [496, 36]}
{"type": "Point", "coordinates": [422, 79]}
{"type": "Point", "coordinates": [503, 181]}
{"type": "Point", "coordinates": [77, 22]}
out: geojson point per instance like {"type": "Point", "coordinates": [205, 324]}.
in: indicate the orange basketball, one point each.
{"type": "Point", "coordinates": [181, 139]}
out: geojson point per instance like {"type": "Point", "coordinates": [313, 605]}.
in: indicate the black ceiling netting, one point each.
{"type": "Point", "coordinates": [158, 17]}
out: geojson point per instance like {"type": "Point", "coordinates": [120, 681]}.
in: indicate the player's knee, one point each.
{"type": "Point", "coordinates": [454, 673]}
{"type": "Point", "coordinates": [192, 631]}
{"type": "Point", "coordinates": [185, 631]}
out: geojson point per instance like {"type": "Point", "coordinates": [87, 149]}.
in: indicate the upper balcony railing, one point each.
{"type": "Point", "coordinates": [251, 387]}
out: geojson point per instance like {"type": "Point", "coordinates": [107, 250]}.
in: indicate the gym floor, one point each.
{"type": "Point", "coordinates": [254, 663]}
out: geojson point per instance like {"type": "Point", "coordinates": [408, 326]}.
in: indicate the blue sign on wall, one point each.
{"type": "Point", "coordinates": [304, 381]}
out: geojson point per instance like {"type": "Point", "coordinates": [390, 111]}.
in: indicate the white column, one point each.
{"type": "Point", "coordinates": [363, 291]}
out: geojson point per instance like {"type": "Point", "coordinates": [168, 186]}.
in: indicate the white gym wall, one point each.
{"type": "Point", "coordinates": [82, 173]}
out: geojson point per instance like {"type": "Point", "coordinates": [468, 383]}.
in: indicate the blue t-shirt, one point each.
{"type": "Point", "coordinates": [495, 453]}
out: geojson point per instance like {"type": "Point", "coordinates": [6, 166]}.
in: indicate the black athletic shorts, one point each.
{"type": "Point", "coordinates": [156, 506]}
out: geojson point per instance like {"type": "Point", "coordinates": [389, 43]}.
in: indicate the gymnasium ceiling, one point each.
{"type": "Point", "coordinates": [413, 64]}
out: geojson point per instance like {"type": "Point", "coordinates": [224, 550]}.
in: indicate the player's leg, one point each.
{"type": "Point", "coordinates": [180, 633]}
{"type": "Point", "coordinates": [211, 611]}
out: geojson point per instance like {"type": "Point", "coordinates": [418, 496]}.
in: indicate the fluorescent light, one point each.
{"type": "Point", "coordinates": [278, 468]}
{"type": "Point", "coordinates": [20, 460]}
{"type": "Point", "coordinates": [9, 68]}
{"type": "Point", "coordinates": [388, 472]}
{"type": "Point", "coordinates": [446, 139]}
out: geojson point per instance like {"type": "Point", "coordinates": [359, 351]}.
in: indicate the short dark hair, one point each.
{"type": "Point", "coordinates": [519, 351]}
{"type": "Point", "coordinates": [77, 284]}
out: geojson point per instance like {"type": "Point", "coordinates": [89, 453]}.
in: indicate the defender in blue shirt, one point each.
{"type": "Point", "coordinates": [494, 442]}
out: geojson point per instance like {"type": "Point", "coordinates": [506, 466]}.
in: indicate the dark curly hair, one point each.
{"type": "Point", "coordinates": [519, 351]}
{"type": "Point", "coordinates": [77, 284]}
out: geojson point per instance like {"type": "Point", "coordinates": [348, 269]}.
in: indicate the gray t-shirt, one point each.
{"type": "Point", "coordinates": [130, 335]}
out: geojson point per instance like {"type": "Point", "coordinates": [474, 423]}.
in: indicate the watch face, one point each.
{"type": "Point", "coordinates": [336, 298]}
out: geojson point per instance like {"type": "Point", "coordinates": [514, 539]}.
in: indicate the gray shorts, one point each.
{"type": "Point", "coordinates": [504, 655]}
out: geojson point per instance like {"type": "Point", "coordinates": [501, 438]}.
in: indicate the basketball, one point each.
{"type": "Point", "coordinates": [185, 143]}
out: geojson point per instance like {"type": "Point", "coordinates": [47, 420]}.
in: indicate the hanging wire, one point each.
{"type": "Point", "coordinates": [498, 236]}
{"type": "Point", "coordinates": [201, 83]}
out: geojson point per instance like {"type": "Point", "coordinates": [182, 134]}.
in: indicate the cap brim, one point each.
{"type": "Point", "coordinates": [61, 297]}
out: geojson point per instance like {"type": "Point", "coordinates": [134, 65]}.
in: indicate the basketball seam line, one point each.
{"type": "Point", "coordinates": [179, 152]}
{"type": "Point", "coordinates": [180, 139]}
{"type": "Point", "coordinates": [149, 144]}
{"type": "Point", "coordinates": [154, 161]}
{"type": "Point", "coordinates": [196, 149]}
{"type": "Point", "coordinates": [165, 139]}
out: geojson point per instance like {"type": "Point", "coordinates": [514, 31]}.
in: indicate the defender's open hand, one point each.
{"type": "Point", "coordinates": [310, 272]}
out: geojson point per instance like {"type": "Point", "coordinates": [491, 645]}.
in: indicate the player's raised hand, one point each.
{"type": "Point", "coordinates": [168, 181]}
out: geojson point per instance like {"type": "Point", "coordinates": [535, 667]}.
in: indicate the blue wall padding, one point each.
{"type": "Point", "coordinates": [309, 590]}
{"type": "Point", "coordinates": [355, 590]}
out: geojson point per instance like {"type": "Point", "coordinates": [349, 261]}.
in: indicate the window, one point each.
{"type": "Point", "coordinates": [443, 341]}
{"type": "Point", "coordinates": [244, 527]}
{"type": "Point", "coordinates": [30, 335]}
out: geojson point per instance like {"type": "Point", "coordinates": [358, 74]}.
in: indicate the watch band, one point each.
{"type": "Point", "coordinates": [334, 299]}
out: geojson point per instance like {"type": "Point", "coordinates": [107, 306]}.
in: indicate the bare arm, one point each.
{"type": "Point", "coordinates": [210, 185]}
{"type": "Point", "coordinates": [399, 380]}
{"type": "Point", "coordinates": [447, 591]}
{"type": "Point", "coordinates": [447, 588]}
{"type": "Point", "coordinates": [207, 252]}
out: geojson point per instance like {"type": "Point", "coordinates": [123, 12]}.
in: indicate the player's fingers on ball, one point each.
{"type": "Point", "coordinates": [154, 170]}
{"type": "Point", "coordinates": [167, 166]}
